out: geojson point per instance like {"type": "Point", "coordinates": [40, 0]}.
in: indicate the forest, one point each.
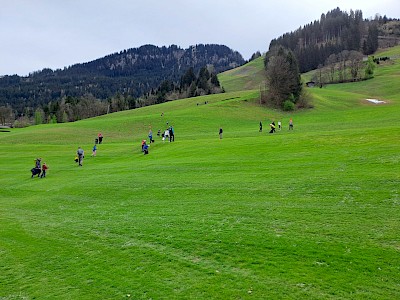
{"type": "Point", "coordinates": [70, 109]}
{"type": "Point", "coordinates": [134, 75]}
{"type": "Point", "coordinates": [335, 32]}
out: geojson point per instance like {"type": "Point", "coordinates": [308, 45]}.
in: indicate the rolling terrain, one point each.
{"type": "Point", "coordinates": [311, 213]}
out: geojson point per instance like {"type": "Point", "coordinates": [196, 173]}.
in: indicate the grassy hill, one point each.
{"type": "Point", "coordinates": [247, 77]}
{"type": "Point", "coordinates": [311, 213]}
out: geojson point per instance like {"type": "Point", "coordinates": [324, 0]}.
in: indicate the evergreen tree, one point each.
{"type": "Point", "coordinates": [372, 40]}
{"type": "Point", "coordinates": [188, 78]}
{"type": "Point", "coordinates": [202, 80]}
{"type": "Point", "coordinates": [255, 55]}
{"type": "Point", "coordinates": [214, 80]}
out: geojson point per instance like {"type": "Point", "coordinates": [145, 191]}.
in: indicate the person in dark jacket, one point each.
{"type": "Point", "coordinates": [37, 169]}
{"type": "Point", "coordinates": [171, 134]}
{"type": "Point", "coordinates": [272, 127]}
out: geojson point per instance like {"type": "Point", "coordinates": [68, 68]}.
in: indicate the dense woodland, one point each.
{"type": "Point", "coordinates": [69, 109]}
{"type": "Point", "coordinates": [335, 32]}
{"type": "Point", "coordinates": [135, 75]}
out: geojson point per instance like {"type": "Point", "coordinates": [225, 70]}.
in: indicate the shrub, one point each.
{"type": "Point", "coordinates": [22, 122]}
{"type": "Point", "coordinates": [304, 100]}
{"type": "Point", "coordinates": [288, 105]}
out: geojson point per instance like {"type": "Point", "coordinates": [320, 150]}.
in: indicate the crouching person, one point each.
{"type": "Point", "coordinates": [145, 149]}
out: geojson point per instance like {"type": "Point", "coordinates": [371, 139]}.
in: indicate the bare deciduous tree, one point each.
{"type": "Point", "coordinates": [355, 60]}
{"type": "Point", "coordinates": [283, 78]}
{"type": "Point", "coordinates": [331, 63]}
{"type": "Point", "coordinates": [6, 115]}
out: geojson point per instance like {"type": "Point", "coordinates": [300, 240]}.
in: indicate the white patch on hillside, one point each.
{"type": "Point", "coordinates": [375, 101]}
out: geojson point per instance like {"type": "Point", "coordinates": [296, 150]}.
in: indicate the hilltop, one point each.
{"type": "Point", "coordinates": [247, 77]}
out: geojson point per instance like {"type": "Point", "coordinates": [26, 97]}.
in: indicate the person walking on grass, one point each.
{"type": "Point", "coordinates": [171, 134]}
{"type": "Point", "coordinates": [100, 137]}
{"type": "Point", "coordinates": [290, 124]}
{"type": "Point", "coordinates": [37, 169]}
{"type": "Point", "coordinates": [272, 127]}
{"type": "Point", "coordinates": [260, 126]}
{"type": "Point", "coordinates": [220, 133]}
{"type": "Point", "coordinates": [94, 150]}
{"type": "Point", "coordinates": [81, 154]}
{"type": "Point", "coordinates": [44, 169]}
{"type": "Point", "coordinates": [151, 136]}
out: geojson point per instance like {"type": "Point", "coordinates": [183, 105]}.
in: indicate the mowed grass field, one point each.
{"type": "Point", "coordinates": [311, 213]}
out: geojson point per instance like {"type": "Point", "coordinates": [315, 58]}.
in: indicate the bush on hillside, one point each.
{"type": "Point", "coordinates": [288, 105]}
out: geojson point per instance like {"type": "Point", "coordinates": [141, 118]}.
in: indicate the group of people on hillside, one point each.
{"type": "Point", "coordinates": [168, 133]}
{"type": "Point", "coordinates": [273, 126]}
{"type": "Point", "coordinates": [98, 140]}
{"type": "Point", "coordinates": [39, 169]}
{"type": "Point", "coordinates": [80, 153]}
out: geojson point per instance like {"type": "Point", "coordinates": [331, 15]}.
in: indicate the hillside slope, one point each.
{"type": "Point", "coordinates": [247, 77]}
{"type": "Point", "coordinates": [311, 213]}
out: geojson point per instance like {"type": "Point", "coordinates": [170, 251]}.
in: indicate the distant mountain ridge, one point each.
{"type": "Point", "coordinates": [134, 71]}
{"type": "Point", "coordinates": [172, 59]}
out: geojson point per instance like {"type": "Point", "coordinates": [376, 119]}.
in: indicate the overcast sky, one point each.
{"type": "Point", "coordinates": [37, 34]}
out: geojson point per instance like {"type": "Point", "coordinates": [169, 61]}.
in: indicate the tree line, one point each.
{"type": "Point", "coordinates": [335, 32]}
{"type": "Point", "coordinates": [70, 109]}
{"type": "Point", "coordinates": [347, 66]}
{"type": "Point", "coordinates": [134, 72]}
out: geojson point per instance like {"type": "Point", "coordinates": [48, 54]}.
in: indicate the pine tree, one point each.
{"type": "Point", "coordinates": [188, 78]}
{"type": "Point", "coordinates": [372, 40]}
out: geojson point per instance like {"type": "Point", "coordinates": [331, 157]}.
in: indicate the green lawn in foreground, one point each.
{"type": "Point", "coordinates": [309, 214]}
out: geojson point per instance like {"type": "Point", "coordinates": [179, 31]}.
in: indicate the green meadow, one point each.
{"type": "Point", "coordinates": [312, 213]}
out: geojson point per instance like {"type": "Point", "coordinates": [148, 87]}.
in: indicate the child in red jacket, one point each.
{"type": "Point", "coordinates": [44, 168]}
